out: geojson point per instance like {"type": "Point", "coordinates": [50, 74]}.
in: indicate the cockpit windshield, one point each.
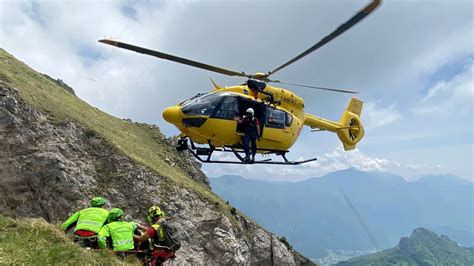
{"type": "Point", "coordinates": [201, 105]}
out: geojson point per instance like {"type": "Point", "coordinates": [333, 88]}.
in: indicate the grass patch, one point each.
{"type": "Point", "coordinates": [36, 242]}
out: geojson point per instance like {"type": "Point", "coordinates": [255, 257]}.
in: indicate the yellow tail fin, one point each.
{"type": "Point", "coordinates": [352, 130]}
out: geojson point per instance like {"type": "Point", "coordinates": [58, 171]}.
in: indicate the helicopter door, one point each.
{"type": "Point", "coordinates": [259, 109]}
{"type": "Point", "coordinates": [278, 127]}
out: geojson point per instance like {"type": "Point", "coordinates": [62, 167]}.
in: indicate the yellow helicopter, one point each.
{"type": "Point", "coordinates": [208, 119]}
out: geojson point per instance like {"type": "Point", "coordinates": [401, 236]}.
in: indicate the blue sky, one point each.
{"type": "Point", "coordinates": [411, 61]}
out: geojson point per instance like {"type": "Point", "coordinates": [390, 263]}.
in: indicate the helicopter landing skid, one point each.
{"type": "Point", "coordinates": [199, 153]}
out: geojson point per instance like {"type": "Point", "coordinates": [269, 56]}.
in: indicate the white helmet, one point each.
{"type": "Point", "coordinates": [250, 111]}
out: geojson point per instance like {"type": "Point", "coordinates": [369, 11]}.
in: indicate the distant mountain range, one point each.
{"type": "Point", "coordinates": [314, 216]}
{"type": "Point", "coordinates": [423, 247]}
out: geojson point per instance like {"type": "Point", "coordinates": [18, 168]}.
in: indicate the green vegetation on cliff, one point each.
{"type": "Point", "coordinates": [34, 242]}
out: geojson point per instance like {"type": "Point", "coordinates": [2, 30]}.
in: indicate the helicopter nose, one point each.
{"type": "Point", "coordinates": [173, 115]}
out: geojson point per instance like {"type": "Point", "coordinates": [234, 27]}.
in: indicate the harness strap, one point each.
{"type": "Point", "coordinates": [162, 248]}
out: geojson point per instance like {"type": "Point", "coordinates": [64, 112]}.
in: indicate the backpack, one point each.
{"type": "Point", "coordinates": [171, 235]}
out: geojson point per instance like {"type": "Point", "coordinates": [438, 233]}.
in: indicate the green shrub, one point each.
{"type": "Point", "coordinates": [286, 243]}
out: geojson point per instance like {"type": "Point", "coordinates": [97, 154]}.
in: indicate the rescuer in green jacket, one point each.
{"type": "Point", "coordinates": [88, 222]}
{"type": "Point", "coordinates": [117, 234]}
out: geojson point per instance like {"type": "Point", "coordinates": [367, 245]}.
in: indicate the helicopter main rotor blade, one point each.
{"type": "Point", "coordinates": [313, 87]}
{"type": "Point", "coordinates": [173, 58]}
{"type": "Point", "coordinates": [342, 28]}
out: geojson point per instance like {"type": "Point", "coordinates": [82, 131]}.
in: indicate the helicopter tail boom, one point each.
{"type": "Point", "coordinates": [349, 128]}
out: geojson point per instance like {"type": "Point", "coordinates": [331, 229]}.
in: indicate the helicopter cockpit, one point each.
{"type": "Point", "coordinates": [201, 104]}
{"type": "Point", "coordinates": [220, 105]}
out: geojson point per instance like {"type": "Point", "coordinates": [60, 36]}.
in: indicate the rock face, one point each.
{"type": "Point", "coordinates": [50, 169]}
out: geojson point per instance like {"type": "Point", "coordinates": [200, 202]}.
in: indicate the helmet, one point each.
{"type": "Point", "coordinates": [153, 212]}
{"type": "Point", "coordinates": [250, 111]}
{"type": "Point", "coordinates": [115, 214]}
{"type": "Point", "coordinates": [98, 201]}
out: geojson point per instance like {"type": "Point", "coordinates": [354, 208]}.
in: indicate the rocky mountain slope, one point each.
{"type": "Point", "coordinates": [423, 247]}
{"type": "Point", "coordinates": [56, 152]}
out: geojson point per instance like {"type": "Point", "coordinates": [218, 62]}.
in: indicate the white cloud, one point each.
{"type": "Point", "coordinates": [61, 40]}
{"type": "Point", "coordinates": [448, 97]}
{"type": "Point", "coordinates": [339, 159]}
{"type": "Point", "coordinates": [439, 86]}
{"type": "Point", "coordinates": [331, 161]}
{"type": "Point", "coordinates": [335, 160]}
{"type": "Point", "coordinates": [375, 116]}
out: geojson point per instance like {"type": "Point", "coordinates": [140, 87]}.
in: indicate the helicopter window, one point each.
{"type": "Point", "coordinates": [228, 109]}
{"type": "Point", "coordinates": [203, 105]}
{"type": "Point", "coordinates": [192, 98]}
{"type": "Point", "coordinates": [289, 120]}
{"type": "Point", "coordinates": [275, 118]}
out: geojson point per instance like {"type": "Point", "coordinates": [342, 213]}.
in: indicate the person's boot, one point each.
{"type": "Point", "coordinates": [246, 158]}
{"type": "Point", "coordinates": [253, 158]}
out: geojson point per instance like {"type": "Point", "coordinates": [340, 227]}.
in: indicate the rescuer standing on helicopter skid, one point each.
{"type": "Point", "coordinates": [252, 133]}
